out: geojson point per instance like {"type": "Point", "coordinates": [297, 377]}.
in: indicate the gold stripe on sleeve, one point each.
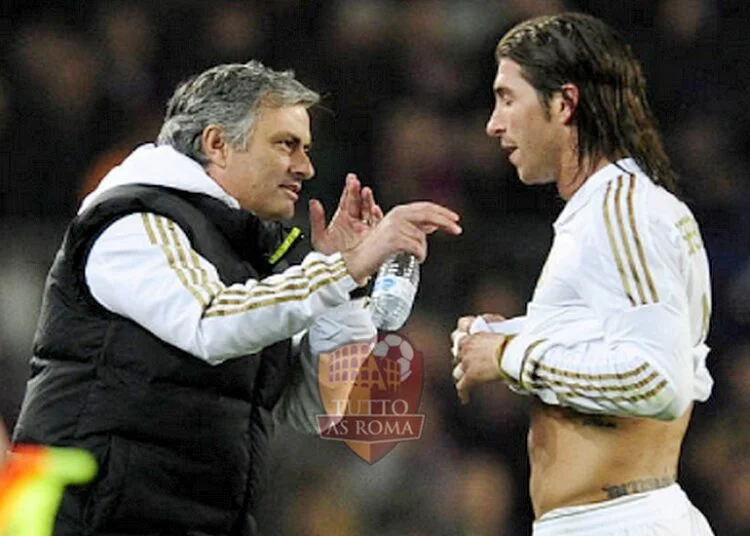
{"type": "Point", "coordinates": [623, 234]}
{"type": "Point", "coordinates": [190, 261]}
{"type": "Point", "coordinates": [149, 228]}
{"type": "Point", "coordinates": [173, 262]}
{"type": "Point", "coordinates": [658, 388]}
{"type": "Point", "coordinates": [213, 287]}
{"type": "Point", "coordinates": [275, 301]}
{"type": "Point", "coordinates": [235, 296]}
{"type": "Point", "coordinates": [594, 377]}
{"type": "Point", "coordinates": [577, 387]}
{"type": "Point", "coordinates": [259, 293]}
{"type": "Point", "coordinates": [526, 356]}
{"type": "Point", "coordinates": [181, 252]}
{"type": "Point", "coordinates": [613, 245]}
{"type": "Point", "coordinates": [638, 244]}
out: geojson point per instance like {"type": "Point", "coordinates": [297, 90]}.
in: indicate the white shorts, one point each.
{"type": "Point", "coordinates": [662, 512]}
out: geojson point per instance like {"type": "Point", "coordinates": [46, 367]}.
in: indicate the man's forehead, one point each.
{"type": "Point", "coordinates": [508, 72]}
{"type": "Point", "coordinates": [294, 119]}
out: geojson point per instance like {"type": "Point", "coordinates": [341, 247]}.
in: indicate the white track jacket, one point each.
{"type": "Point", "coordinates": [138, 268]}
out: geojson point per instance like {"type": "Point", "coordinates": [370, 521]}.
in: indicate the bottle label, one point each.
{"type": "Point", "coordinates": [392, 284]}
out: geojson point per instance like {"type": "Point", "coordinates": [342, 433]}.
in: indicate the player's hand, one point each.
{"type": "Point", "coordinates": [463, 327]}
{"type": "Point", "coordinates": [477, 362]}
{"type": "Point", "coordinates": [461, 331]}
{"type": "Point", "coordinates": [403, 229]}
{"type": "Point", "coordinates": [355, 216]}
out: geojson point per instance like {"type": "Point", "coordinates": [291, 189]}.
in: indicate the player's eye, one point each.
{"type": "Point", "coordinates": [289, 144]}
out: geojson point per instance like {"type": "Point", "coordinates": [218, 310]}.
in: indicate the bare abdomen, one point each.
{"type": "Point", "coordinates": [579, 459]}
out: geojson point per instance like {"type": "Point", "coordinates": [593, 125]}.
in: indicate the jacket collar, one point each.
{"type": "Point", "coordinates": [605, 175]}
{"type": "Point", "coordinates": [161, 165]}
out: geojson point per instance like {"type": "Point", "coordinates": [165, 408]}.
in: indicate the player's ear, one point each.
{"type": "Point", "coordinates": [214, 144]}
{"type": "Point", "coordinates": [566, 103]}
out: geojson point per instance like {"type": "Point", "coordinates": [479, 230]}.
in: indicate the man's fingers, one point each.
{"type": "Point", "coordinates": [430, 223]}
{"type": "Point", "coordinates": [426, 207]}
{"type": "Point", "coordinates": [351, 201]}
{"type": "Point", "coordinates": [368, 205]}
{"type": "Point", "coordinates": [371, 211]}
{"type": "Point", "coordinates": [493, 317]}
{"type": "Point", "coordinates": [429, 229]}
{"type": "Point", "coordinates": [411, 240]}
{"type": "Point", "coordinates": [417, 246]}
{"type": "Point", "coordinates": [377, 214]}
{"type": "Point", "coordinates": [317, 219]}
{"type": "Point", "coordinates": [465, 322]}
{"type": "Point", "coordinates": [456, 337]}
{"type": "Point", "coordinates": [430, 216]}
{"type": "Point", "coordinates": [462, 388]}
{"type": "Point", "coordinates": [458, 372]}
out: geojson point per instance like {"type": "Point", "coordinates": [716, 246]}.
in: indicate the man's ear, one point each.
{"type": "Point", "coordinates": [215, 146]}
{"type": "Point", "coordinates": [568, 103]}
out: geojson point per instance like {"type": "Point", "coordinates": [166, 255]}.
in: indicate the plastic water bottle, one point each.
{"type": "Point", "coordinates": [394, 291]}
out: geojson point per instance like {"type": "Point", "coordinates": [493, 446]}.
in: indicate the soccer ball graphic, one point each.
{"type": "Point", "coordinates": [396, 345]}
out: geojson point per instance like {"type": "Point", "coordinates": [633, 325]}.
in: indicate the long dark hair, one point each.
{"type": "Point", "coordinates": [612, 116]}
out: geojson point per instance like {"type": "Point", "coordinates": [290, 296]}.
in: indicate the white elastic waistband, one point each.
{"type": "Point", "coordinates": [603, 517]}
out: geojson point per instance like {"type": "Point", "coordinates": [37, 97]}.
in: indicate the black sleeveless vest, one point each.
{"type": "Point", "coordinates": [182, 445]}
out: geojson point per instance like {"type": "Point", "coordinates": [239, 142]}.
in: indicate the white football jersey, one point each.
{"type": "Point", "coordinates": [619, 318]}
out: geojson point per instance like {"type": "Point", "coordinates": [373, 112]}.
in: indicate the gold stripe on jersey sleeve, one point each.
{"type": "Point", "coordinates": [213, 287]}
{"type": "Point", "coordinates": [629, 387]}
{"type": "Point", "coordinates": [526, 357]}
{"type": "Point", "coordinates": [182, 255]}
{"type": "Point", "coordinates": [281, 299]}
{"type": "Point", "coordinates": [182, 258]}
{"type": "Point", "coordinates": [624, 236]}
{"type": "Point", "coordinates": [292, 282]}
{"type": "Point", "coordinates": [638, 243]}
{"type": "Point", "coordinates": [601, 377]}
{"type": "Point", "coordinates": [149, 228]}
{"type": "Point", "coordinates": [658, 388]}
{"type": "Point", "coordinates": [191, 263]}
{"type": "Point", "coordinates": [312, 269]}
{"type": "Point", "coordinates": [258, 294]}
{"type": "Point", "coordinates": [296, 282]}
{"type": "Point", "coordinates": [162, 238]}
{"type": "Point", "coordinates": [613, 245]}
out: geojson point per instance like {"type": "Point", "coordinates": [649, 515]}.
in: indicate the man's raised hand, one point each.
{"type": "Point", "coordinates": [403, 229]}
{"type": "Point", "coordinates": [355, 215]}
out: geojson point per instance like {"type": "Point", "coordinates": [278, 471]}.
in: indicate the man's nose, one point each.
{"type": "Point", "coordinates": [494, 126]}
{"type": "Point", "coordinates": [303, 166]}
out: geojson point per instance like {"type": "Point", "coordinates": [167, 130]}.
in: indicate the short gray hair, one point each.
{"type": "Point", "coordinates": [229, 96]}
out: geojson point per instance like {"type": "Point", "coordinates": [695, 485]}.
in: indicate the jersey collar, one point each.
{"type": "Point", "coordinates": [582, 196]}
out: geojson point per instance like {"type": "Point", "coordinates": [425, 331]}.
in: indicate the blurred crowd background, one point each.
{"type": "Point", "coordinates": [407, 95]}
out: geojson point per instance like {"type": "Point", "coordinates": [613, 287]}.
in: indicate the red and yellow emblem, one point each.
{"type": "Point", "coordinates": [384, 387]}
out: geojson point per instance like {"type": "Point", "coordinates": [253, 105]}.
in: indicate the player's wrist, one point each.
{"type": "Point", "coordinates": [499, 353]}
{"type": "Point", "coordinates": [356, 266]}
